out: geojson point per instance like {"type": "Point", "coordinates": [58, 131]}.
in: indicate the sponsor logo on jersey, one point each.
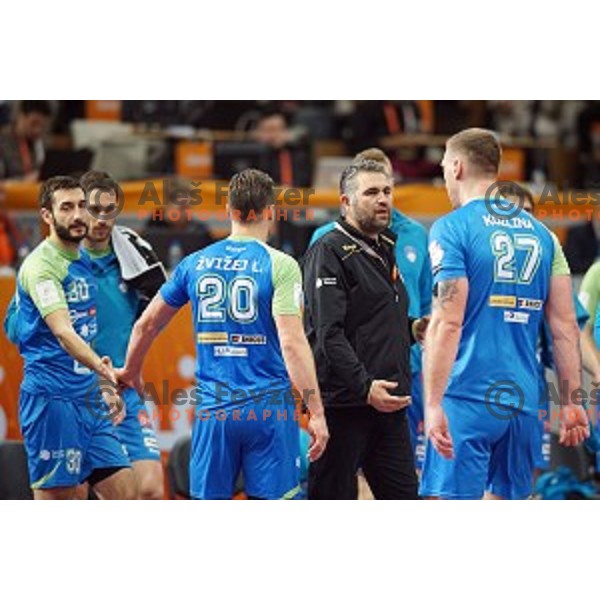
{"type": "Point", "coordinates": [503, 301]}
{"type": "Point", "coordinates": [248, 339]}
{"type": "Point", "coordinates": [232, 351]}
{"type": "Point", "coordinates": [411, 253]}
{"type": "Point", "coordinates": [321, 281]}
{"type": "Point", "coordinates": [513, 316]}
{"type": "Point", "coordinates": [45, 455]}
{"type": "Point", "coordinates": [47, 293]}
{"type": "Point", "coordinates": [530, 303]}
{"type": "Point", "coordinates": [213, 337]}
{"type": "Point", "coordinates": [75, 314]}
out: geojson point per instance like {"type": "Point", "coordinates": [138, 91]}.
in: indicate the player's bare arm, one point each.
{"type": "Point", "coordinates": [156, 316]}
{"type": "Point", "coordinates": [589, 353]}
{"type": "Point", "coordinates": [60, 325]}
{"type": "Point", "coordinates": [441, 347]}
{"type": "Point", "coordinates": [300, 365]}
{"type": "Point", "coordinates": [560, 313]}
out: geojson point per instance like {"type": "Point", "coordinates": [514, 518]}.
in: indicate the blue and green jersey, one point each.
{"type": "Point", "coordinates": [51, 279]}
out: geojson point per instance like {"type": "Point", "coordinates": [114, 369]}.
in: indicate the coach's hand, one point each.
{"type": "Point", "coordinates": [130, 379]}
{"type": "Point", "coordinates": [317, 427]}
{"type": "Point", "coordinates": [436, 428]}
{"type": "Point", "coordinates": [380, 399]}
{"type": "Point", "coordinates": [574, 425]}
{"type": "Point", "coordinates": [419, 329]}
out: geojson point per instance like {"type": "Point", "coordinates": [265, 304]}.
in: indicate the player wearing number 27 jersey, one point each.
{"type": "Point", "coordinates": [497, 271]}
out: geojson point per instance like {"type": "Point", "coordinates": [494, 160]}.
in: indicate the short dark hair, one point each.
{"type": "Point", "coordinates": [349, 174]}
{"type": "Point", "coordinates": [514, 190]}
{"type": "Point", "coordinates": [250, 192]}
{"type": "Point", "coordinates": [43, 107]}
{"type": "Point", "coordinates": [273, 111]}
{"type": "Point", "coordinates": [480, 147]}
{"type": "Point", "coordinates": [53, 185]}
{"type": "Point", "coordinates": [98, 180]}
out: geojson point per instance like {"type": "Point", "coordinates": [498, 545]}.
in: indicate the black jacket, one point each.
{"type": "Point", "coordinates": [356, 316]}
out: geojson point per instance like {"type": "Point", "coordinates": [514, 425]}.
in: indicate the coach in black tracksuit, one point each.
{"type": "Point", "coordinates": [356, 318]}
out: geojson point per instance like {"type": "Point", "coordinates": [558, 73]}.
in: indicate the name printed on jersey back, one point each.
{"type": "Point", "coordinates": [513, 223]}
{"type": "Point", "coordinates": [221, 263]}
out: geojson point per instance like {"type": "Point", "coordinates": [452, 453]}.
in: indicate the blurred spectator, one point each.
{"type": "Point", "coordinates": [511, 117]}
{"type": "Point", "coordinates": [175, 231]}
{"type": "Point", "coordinates": [22, 146]}
{"type": "Point", "coordinates": [10, 237]}
{"type": "Point", "coordinates": [588, 136]}
{"type": "Point", "coordinates": [290, 162]}
{"type": "Point", "coordinates": [373, 119]}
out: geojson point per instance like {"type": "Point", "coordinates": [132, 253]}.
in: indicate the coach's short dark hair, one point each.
{"type": "Point", "coordinates": [42, 107]}
{"type": "Point", "coordinates": [350, 173]}
{"type": "Point", "coordinates": [98, 180]}
{"type": "Point", "coordinates": [53, 185]}
{"type": "Point", "coordinates": [479, 147]}
{"type": "Point", "coordinates": [250, 192]}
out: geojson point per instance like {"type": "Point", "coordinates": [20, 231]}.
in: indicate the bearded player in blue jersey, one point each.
{"type": "Point", "coordinates": [66, 426]}
{"type": "Point", "coordinates": [496, 276]}
{"type": "Point", "coordinates": [247, 320]}
{"type": "Point", "coordinates": [128, 274]}
{"type": "Point", "coordinates": [413, 263]}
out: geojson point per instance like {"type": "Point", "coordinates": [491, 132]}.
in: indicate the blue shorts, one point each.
{"type": "Point", "coordinates": [265, 448]}
{"type": "Point", "coordinates": [136, 432]}
{"type": "Point", "coordinates": [66, 441]}
{"type": "Point", "coordinates": [542, 449]}
{"type": "Point", "coordinates": [490, 453]}
{"type": "Point", "coordinates": [416, 420]}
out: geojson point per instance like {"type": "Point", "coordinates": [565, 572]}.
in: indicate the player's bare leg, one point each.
{"type": "Point", "coordinates": [82, 492]}
{"type": "Point", "coordinates": [149, 479]}
{"type": "Point", "coordinates": [57, 493]}
{"type": "Point", "coordinates": [118, 486]}
{"type": "Point", "coordinates": [490, 496]}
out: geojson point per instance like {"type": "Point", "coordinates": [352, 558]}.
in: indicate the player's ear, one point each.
{"type": "Point", "coordinates": [344, 204]}
{"type": "Point", "coordinates": [458, 168]}
{"type": "Point", "coordinates": [46, 216]}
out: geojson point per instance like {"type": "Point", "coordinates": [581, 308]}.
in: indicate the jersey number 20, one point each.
{"type": "Point", "coordinates": [216, 298]}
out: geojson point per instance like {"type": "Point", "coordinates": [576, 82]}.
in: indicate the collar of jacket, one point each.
{"type": "Point", "coordinates": [387, 235]}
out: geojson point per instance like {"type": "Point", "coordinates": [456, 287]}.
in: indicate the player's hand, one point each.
{"type": "Point", "coordinates": [319, 434]}
{"type": "Point", "coordinates": [115, 404]}
{"type": "Point", "coordinates": [419, 329]}
{"type": "Point", "coordinates": [436, 429]}
{"type": "Point", "coordinates": [130, 379]}
{"type": "Point", "coordinates": [107, 371]}
{"type": "Point", "coordinates": [380, 399]}
{"type": "Point", "coordinates": [574, 425]}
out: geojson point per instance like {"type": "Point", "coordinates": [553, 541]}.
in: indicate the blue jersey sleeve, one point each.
{"type": "Point", "coordinates": [580, 312]}
{"type": "Point", "coordinates": [446, 251]}
{"type": "Point", "coordinates": [597, 329]}
{"type": "Point", "coordinates": [425, 286]}
{"type": "Point", "coordinates": [174, 291]}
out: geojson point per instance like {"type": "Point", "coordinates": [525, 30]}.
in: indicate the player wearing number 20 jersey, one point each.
{"type": "Point", "coordinates": [245, 414]}
{"type": "Point", "coordinates": [492, 390]}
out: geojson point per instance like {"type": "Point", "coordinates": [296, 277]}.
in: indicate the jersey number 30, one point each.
{"type": "Point", "coordinates": [216, 299]}
{"type": "Point", "coordinates": [505, 246]}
